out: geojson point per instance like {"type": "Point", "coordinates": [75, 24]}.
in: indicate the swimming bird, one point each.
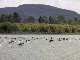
{"type": "Point", "coordinates": [51, 40]}
{"type": "Point", "coordinates": [20, 44]}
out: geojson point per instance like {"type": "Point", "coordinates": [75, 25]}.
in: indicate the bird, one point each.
{"type": "Point", "coordinates": [11, 41]}
{"type": "Point", "coordinates": [20, 44]}
{"type": "Point", "coordinates": [51, 40]}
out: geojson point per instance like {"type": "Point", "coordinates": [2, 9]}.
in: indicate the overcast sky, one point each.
{"type": "Point", "coordinates": [65, 4]}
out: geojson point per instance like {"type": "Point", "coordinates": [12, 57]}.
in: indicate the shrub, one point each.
{"type": "Point", "coordinates": [8, 27]}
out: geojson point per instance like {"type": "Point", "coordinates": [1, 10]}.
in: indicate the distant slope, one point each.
{"type": "Point", "coordinates": [37, 9]}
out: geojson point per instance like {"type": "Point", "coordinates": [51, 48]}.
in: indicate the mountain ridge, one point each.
{"type": "Point", "coordinates": [47, 5]}
{"type": "Point", "coordinates": [37, 10]}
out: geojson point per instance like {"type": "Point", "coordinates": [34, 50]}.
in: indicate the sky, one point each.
{"type": "Point", "coordinates": [73, 5]}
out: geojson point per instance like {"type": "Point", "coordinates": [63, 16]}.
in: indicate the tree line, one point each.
{"type": "Point", "coordinates": [15, 17]}
{"type": "Point", "coordinates": [13, 23]}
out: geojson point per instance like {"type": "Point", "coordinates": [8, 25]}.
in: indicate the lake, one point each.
{"type": "Point", "coordinates": [39, 47]}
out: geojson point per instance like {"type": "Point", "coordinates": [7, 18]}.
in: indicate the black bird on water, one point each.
{"type": "Point", "coordinates": [51, 40]}
{"type": "Point", "coordinates": [20, 44]}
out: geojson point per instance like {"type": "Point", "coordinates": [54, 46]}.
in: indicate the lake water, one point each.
{"type": "Point", "coordinates": [40, 47]}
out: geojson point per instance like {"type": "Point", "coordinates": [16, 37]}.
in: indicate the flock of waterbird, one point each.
{"type": "Point", "coordinates": [20, 40]}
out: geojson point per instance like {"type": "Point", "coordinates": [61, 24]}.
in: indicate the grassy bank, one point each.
{"type": "Point", "coordinates": [32, 28]}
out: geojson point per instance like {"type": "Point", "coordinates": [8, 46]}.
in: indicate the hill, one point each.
{"type": "Point", "coordinates": [37, 10]}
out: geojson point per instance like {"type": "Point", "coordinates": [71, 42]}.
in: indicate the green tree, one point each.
{"type": "Point", "coordinates": [6, 17]}
{"type": "Point", "coordinates": [70, 21]}
{"type": "Point", "coordinates": [9, 17]}
{"type": "Point", "coordinates": [76, 20]}
{"type": "Point", "coordinates": [51, 20]}
{"type": "Point", "coordinates": [61, 19]}
{"type": "Point", "coordinates": [2, 18]}
{"type": "Point", "coordinates": [30, 19]}
{"type": "Point", "coordinates": [42, 19]}
{"type": "Point", "coordinates": [16, 17]}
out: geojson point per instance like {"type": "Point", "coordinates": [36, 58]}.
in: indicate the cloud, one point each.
{"type": "Point", "coordinates": [12, 3]}
{"type": "Point", "coordinates": [68, 4]}
{"type": "Point", "coordinates": [65, 4]}
{"type": "Point", "coordinates": [73, 5]}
